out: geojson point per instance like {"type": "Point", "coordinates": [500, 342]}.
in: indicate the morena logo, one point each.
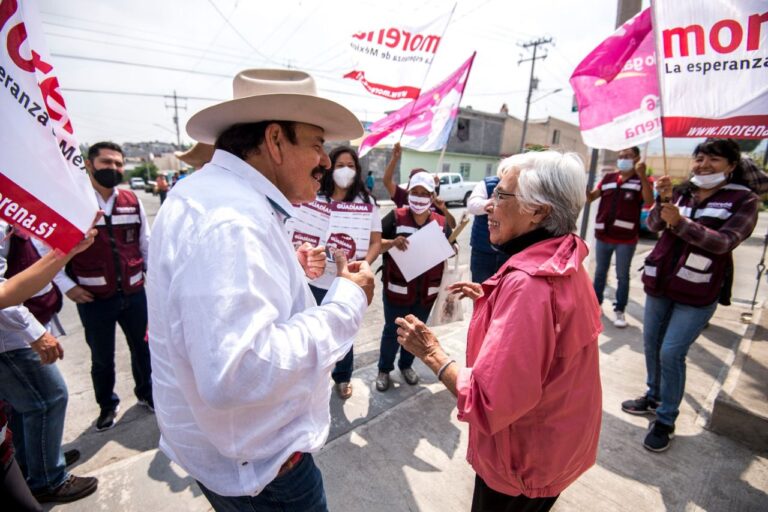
{"type": "Point", "coordinates": [725, 36]}
{"type": "Point", "coordinates": [17, 36]}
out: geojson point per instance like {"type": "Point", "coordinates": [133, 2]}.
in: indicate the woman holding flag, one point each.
{"type": "Point", "coordinates": [689, 272]}
{"type": "Point", "coordinates": [344, 183]}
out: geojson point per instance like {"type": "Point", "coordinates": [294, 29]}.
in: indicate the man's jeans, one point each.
{"type": "Point", "coordinates": [603, 253]}
{"type": "Point", "coordinates": [669, 329]}
{"type": "Point", "coordinates": [483, 265]}
{"type": "Point", "coordinates": [342, 372]}
{"type": "Point", "coordinates": [299, 490]}
{"type": "Point", "coordinates": [38, 395]}
{"type": "Point", "coordinates": [389, 344]}
{"type": "Point", "coordinates": [99, 319]}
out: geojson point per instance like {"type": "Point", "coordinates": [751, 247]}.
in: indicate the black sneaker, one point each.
{"type": "Point", "coordinates": [71, 456]}
{"type": "Point", "coordinates": [659, 436]}
{"type": "Point", "coordinates": [640, 405]}
{"type": "Point", "coordinates": [107, 419]}
{"type": "Point", "coordinates": [148, 403]}
{"type": "Point", "coordinates": [73, 489]}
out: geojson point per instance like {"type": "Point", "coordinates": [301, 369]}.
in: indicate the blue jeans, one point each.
{"type": "Point", "coordinates": [39, 396]}
{"type": "Point", "coordinates": [389, 344]}
{"type": "Point", "coordinates": [298, 490]}
{"type": "Point", "coordinates": [483, 265]}
{"type": "Point", "coordinates": [603, 253]}
{"type": "Point", "coordinates": [342, 372]}
{"type": "Point", "coordinates": [99, 319]}
{"type": "Point", "coordinates": [669, 329]}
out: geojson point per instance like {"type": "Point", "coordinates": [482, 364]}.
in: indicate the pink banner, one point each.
{"type": "Point", "coordinates": [617, 89]}
{"type": "Point", "coordinates": [424, 124]}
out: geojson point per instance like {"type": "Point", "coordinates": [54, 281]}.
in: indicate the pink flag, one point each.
{"type": "Point", "coordinates": [617, 88]}
{"type": "Point", "coordinates": [426, 122]}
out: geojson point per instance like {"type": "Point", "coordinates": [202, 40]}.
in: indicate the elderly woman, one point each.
{"type": "Point", "coordinates": [530, 390]}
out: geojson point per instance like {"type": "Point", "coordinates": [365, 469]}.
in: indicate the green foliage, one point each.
{"type": "Point", "coordinates": [141, 171]}
{"type": "Point", "coordinates": [748, 145]}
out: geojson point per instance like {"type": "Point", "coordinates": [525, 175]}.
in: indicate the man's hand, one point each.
{"type": "Point", "coordinates": [359, 272]}
{"type": "Point", "coordinates": [311, 259]}
{"type": "Point", "coordinates": [467, 290]}
{"type": "Point", "coordinates": [80, 295]}
{"type": "Point", "coordinates": [670, 214]}
{"type": "Point", "coordinates": [640, 170]}
{"type": "Point", "coordinates": [48, 348]}
{"type": "Point", "coordinates": [396, 152]}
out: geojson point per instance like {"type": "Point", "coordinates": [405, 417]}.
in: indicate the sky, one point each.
{"type": "Point", "coordinates": [117, 61]}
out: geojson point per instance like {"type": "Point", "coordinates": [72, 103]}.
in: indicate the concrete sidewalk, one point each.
{"type": "Point", "coordinates": [404, 450]}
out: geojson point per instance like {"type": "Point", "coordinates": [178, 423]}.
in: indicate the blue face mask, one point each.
{"type": "Point", "coordinates": [625, 164]}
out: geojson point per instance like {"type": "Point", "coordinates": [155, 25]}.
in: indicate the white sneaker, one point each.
{"type": "Point", "coordinates": [620, 321]}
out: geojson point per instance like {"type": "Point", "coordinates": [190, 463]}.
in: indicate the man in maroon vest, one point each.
{"type": "Point", "coordinates": [108, 283]}
{"type": "Point", "coordinates": [617, 225]}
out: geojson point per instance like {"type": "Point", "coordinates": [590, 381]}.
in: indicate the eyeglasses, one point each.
{"type": "Point", "coordinates": [499, 196]}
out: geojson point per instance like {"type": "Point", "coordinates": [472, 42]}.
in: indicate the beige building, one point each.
{"type": "Point", "coordinates": [550, 131]}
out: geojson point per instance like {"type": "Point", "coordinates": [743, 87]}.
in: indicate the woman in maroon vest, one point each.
{"type": "Point", "coordinates": [403, 297]}
{"type": "Point", "coordinates": [688, 272]}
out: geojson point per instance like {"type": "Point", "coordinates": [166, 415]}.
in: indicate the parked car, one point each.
{"type": "Point", "coordinates": [149, 187]}
{"type": "Point", "coordinates": [454, 189]}
{"type": "Point", "coordinates": [137, 183]}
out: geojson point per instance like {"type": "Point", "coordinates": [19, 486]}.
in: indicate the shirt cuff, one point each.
{"type": "Point", "coordinates": [33, 332]}
{"type": "Point", "coordinates": [345, 291]}
{"type": "Point", "coordinates": [463, 389]}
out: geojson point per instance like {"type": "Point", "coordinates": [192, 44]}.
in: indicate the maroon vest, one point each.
{"type": "Point", "coordinates": [684, 272]}
{"type": "Point", "coordinates": [618, 216]}
{"type": "Point", "coordinates": [423, 289]}
{"type": "Point", "coordinates": [114, 262]}
{"type": "Point", "coordinates": [21, 255]}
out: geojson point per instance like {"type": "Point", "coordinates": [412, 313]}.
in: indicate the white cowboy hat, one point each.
{"type": "Point", "coordinates": [274, 95]}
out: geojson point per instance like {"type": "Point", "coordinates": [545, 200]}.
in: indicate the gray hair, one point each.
{"type": "Point", "coordinates": [549, 178]}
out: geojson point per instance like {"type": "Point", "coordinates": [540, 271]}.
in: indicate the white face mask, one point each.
{"type": "Point", "coordinates": [419, 204]}
{"type": "Point", "coordinates": [625, 164]}
{"type": "Point", "coordinates": [708, 181]}
{"type": "Point", "coordinates": [343, 176]}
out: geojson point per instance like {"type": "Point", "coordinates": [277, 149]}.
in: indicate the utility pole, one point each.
{"type": "Point", "coordinates": [176, 108]}
{"type": "Point", "coordinates": [533, 82]}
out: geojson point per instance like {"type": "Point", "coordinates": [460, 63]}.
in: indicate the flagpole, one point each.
{"type": "Point", "coordinates": [426, 74]}
{"type": "Point", "coordinates": [661, 93]}
{"type": "Point", "coordinates": [440, 160]}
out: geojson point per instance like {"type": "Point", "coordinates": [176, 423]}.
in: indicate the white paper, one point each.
{"type": "Point", "coordinates": [426, 248]}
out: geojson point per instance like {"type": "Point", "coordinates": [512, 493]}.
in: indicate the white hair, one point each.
{"type": "Point", "coordinates": [549, 178]}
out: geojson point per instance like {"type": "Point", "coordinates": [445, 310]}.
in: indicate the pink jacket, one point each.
{"type": "Point", "coordinates": [531, 390]}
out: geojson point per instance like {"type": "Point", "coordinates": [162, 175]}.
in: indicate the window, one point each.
{"type": "Point", "coordinates": [556, 137]}
{"type": "Point", "coordinates": [464, 170]}
{"type": "Point", "coordinates": [488, 169]}
{"type": "Point", "coordinates": [446, 168]}
{"type": "Point", "coordinates": [455, 179]}
{"type": "Point", "coordinates": [462, 129]}
{"type": "Point", "coordinates": [443, 180]}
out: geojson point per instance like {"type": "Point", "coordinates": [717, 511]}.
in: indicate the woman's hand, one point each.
{"type": "Point", "coordinates": [467, 290]}
{"type": "Point", "coordinates": [416, 338]}
{"type": "Point", "coordinates": [670, 214]}
{"type": "Point", "coordinates": [400, 242]}
{"type": "Point", "coordinates": [311, 259]}
{"type": "Point", "coordinates": [664, 188]}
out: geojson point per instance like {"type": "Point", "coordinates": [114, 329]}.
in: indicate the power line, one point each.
{"type": "Point", "coordinates": [240, 35]}
{"type": "Point", "coordinates": [131, 93]}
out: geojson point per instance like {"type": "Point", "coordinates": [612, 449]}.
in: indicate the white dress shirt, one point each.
{"type": "Point", "coordinates": [478, 199]}
{"type": "Point", "coordinates": [241, 354]}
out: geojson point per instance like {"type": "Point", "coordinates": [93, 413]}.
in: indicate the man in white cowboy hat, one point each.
{"type": "Point", "coordinates": [241, 354]}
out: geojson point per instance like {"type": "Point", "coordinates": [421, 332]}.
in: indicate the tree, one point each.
{"type": "Point", "coordinates": [141, 170]}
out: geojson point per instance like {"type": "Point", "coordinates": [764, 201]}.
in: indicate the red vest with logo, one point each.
{"type": "Point", "coordinates": [114, 262]}
{"type": "Point", "coordinates": [684, 272]}
{"type": "Point", "coordinates": [21, 255]}
{"type": "Point", "coordinates": [618, 216]}
{"type": "Point", "coordinates": [422, 289]}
